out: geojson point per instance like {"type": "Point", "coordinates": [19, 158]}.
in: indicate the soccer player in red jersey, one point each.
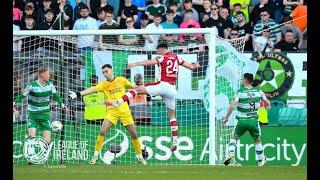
{"type": "Point", "coordinates": [168, 63]}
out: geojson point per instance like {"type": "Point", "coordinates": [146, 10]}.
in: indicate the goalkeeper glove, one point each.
{"type": "Point", "coordinates": [74, 95]}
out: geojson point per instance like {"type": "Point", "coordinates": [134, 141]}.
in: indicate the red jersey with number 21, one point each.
{"type": "Point", "coordinates": [168, 65]}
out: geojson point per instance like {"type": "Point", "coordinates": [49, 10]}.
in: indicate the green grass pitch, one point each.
{"type": "Point", "coordinates": [154, 172]}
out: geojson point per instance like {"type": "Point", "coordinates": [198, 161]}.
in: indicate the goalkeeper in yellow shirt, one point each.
{"type": "Point", "coordinates": [113, 88]}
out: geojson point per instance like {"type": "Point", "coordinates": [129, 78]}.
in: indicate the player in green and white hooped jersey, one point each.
{"type": "Point", "coordinates": [247, 101]}
{"type": "Point", "coordinates": [39, 94]}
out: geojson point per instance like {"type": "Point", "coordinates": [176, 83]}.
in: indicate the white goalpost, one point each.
{"type": "Point", "coordinates": [203, 94]}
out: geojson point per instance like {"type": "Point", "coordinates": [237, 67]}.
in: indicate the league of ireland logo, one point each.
{"type": "Point", "coordinates": [36, 150]}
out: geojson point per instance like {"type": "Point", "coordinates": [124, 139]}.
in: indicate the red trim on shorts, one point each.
{"type": "Point", "coordinates": [152, 84]}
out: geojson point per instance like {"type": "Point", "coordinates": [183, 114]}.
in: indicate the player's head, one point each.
{"type": "Point", "coordinates": [107, 71]}
{"type": "Point", "coordinates": [162, 48]}
{"type": "Point", "coordinates": [138, 79]}
{"type": "Point", "coordinates": [43, 74]}
{"type": "Point", "coordinates": [247, 79]}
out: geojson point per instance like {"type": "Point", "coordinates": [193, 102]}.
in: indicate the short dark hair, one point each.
{"type": "Point", "coordinates": [28, 7]}
{"type": "Point", "coordinates": [99, 10]}
{"type": "Point", "coordinates": [264, 10]}
{"type": "Point", "coordinates": [188, 11]}
{"type": "Point", "coordinates": [29, 17]}
{"type": "Point", "coordinates": [237, 4]}
{"type": "Point", "coordinates": [157, 15]}
{"type": "Point", "coordinates": [187, 1]}
{"type": "Point", "coordinates": [109, 11]}
{"type": "Point", "coordinates": [49, 10]}
{"type": "Point", "coordinates": [169, 11]}
{"type": "Point", "coordinates": [240, 12]}
{"type": "Point", "coordinates": [83, 7]}
{"type": "Point", "coordinates": [42, 70]}
{"type": "Point", "coordinates": [173, 4]}
{"type": "Point", "coordinates": [144, 17]}
{"type": "Point", "coordinates": [106, 65]}
{"type": "Point", "coordinates": [288, 31]}
{"type": "Point", "coordinates": [266, 28]}
{"type": "Point", "coordinates": [248, 77]}
{"type": "Point", "coordinates": [162, 45]}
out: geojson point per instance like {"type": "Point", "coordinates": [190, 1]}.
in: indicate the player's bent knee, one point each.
{"type": "Point", "coordinates": [258, 140]}
{"type": "Point", "coordinates": [133, 135]}
{"type": "Point", "coordinates": [102, 133]}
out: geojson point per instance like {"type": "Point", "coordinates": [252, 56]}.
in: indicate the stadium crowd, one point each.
{"type": "Point", "coordinates": [269, 25]}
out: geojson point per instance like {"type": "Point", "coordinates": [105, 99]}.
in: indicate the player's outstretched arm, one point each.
{"type": "Point", "coordinates": [143, 63]}
{"type": "Point", "coordinates": [74, 95]}
{"type": "Point", "coordinates": [191, 66]}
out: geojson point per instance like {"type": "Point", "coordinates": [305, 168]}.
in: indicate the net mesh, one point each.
{"type": "Point", "coordinates": [75, 64]}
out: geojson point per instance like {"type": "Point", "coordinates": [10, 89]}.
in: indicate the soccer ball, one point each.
{"type": "Point", "coordinates": [56, 126]}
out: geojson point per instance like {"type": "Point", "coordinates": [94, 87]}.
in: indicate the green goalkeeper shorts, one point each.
{"type": "Point", "coordinates": [39, 120]}
{"type": "Point", "coordinates": [244, 125]}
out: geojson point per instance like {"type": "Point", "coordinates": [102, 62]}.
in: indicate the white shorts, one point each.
{"type": "Point", "coordinates": [165, 90]}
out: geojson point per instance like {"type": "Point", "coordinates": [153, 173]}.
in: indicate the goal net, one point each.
{"type": "Point", "coordinates": [75, 58]}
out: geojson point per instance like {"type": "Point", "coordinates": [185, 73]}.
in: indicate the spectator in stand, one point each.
{"type": "Point", "coordinates": [17, 13]}
{"type": "Point", "coordinates": [144, 21]}
{"type": "Point", "coordinates": [129, 39]}
{"type": "Point", "coordinates": [109, 24]}
{"type": "Point", "coordinates": [127, 10]}
{"type": "Point", "coordinates": [177, 19]}
{"type": "Point", "coordinates": [29, 43]}
{"type": "Point", "coordinates": [151, 41]}
{"type": "Point", "coordinates": [189, 22]}
{"type": "Point", "coordinates": [300, 12]}
{"type": "Point", "coordinates": [234, 34]}
{"type": "Point", "coordinates": [288, 44]}
{"type": "Point", "coordinates": [244, 29]}
{"type": "Point", "coordinates": [76, 11]}
{"type": "Point", "coordinates": [29, 23]}
{"type": "Point", "coordinates": [187, 5]}
{"type": "Point", "coordinates": [169, 24]}
{"type": "Point", "coordinates": [48, 21]}
{"type": "Point", "coordinates": [290, 5]}
{"type": "Point", "coordinates": [262, 43]}
{"type": "Point", "coordinates": [94, 4]}
{"type": "Point", "coordinates": [236, 9]}
{"type": "Point", "coordinates": [205, 15]}
{"type": "Point", "coordinates": [228, 25]}
{"type": "Point", "coordinates": [101, 16]}
{"type": "Point", "coordinates": [298, 37]}
{"type": "Point", "coordinates": [33, 4]}
{"type": "Point", "coordinates": [42, 10]}
{"type": "Point", "coordinates": [85, 23]}
{"type": "Point", "coordinates": [262, 6]}
{"type": "Point", "coordinates": [275, 30]}
{"type": "Point", "coordinates": [141, 4]}
{"type": "Point", "coordinates": [170, 40]}
{"type": "Point", "coordinates": [28, 11]}
{"type": "Point", "coordinates": [155, 8]}
{"type": "Point", "coordinates": [240, 5]}
{"type": "Point", "coordinates": [67, 10]}
{"type": "Point", "coordinates": [215, 20]}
